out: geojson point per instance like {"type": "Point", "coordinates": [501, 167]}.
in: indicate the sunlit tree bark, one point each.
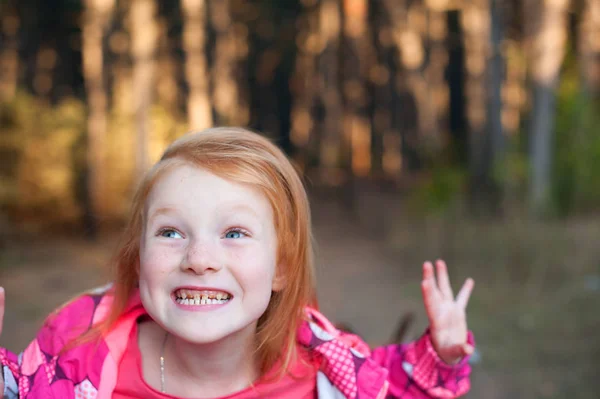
{"type": "Point", "coordinates": [144, 35]}
{"type": "Point", "coordinates": [303, 85]}
{"type": "Point", "coordinates": [95, 19]}
{"type": "Point", "coordinates": [438, 91]}
{"type": "Point", "coordinates": [43, 81]}
{"type": "Point", "coordinates": [9, 56]}
{"type": "Point", "coordinates": [410, 31]}
{"type": "Point", "coordinates": [231, 48]}
{"type": "Point", "coordinates": [476, 27]}
{"type": "Point", "coordinates": [497, 141]}
{"type": "Point", "coordinates": [357, 55]}
{"type": "Point", "coordinates": [328, 79]}
{"type": "Point", "coordinates": [589, 47]}
{"type": "Point", "coordinates": [196, 66]}
{"type": "Point", "coordinates": [514, 93]}
{"type": "Point", "coordinates": [121, 90]}
{"type": "Point", "coordinates": [546, 35]}
{"type": "Point", "coordinates": [167, 90]}
{"type": "Point", "coordinates": [386, 146]}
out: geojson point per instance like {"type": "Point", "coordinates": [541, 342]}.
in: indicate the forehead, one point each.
{"type": "Point", "coordinates": [191, 186]}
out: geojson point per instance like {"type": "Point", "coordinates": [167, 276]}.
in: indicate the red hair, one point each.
{"type": "Point", "coordinates": [243, 157]}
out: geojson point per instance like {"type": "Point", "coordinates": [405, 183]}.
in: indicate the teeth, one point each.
{"type": "Point", "coordinates": [207, 296]}
{"type": "Point", "coordinates": [201, 301]}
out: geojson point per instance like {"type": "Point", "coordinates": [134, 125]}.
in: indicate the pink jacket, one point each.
{"type": "Point", "coordinates": [348, 369]}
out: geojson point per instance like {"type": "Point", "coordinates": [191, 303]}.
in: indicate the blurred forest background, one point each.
{"type": "Point", "coordinates": [462, 129]}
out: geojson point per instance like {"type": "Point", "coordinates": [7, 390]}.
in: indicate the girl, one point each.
{"type": "Point", "coordinates": [214, 298]}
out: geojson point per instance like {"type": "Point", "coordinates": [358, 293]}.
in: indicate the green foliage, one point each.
{"type": "Point", "coordinates": [577, 156]}
{"type": "Point", "coordinates": [439, 189]}
{"type": "Point", "coordinates": [121, 153]}
{"type": "Point", "coordinates": [511, 173]}
{"type": "Point", "coordinates": [44, 153]}
{"type": "Point", "coordinates": [38, 139]}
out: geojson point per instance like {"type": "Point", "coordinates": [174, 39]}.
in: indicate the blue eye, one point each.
{"type": "Point", "coordinates": [234, 234]}
{"type": "Point", "coordinates": [169, 233]}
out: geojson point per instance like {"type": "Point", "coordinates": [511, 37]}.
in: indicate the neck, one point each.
{"type": "Point", "coordinates": [216, 369]}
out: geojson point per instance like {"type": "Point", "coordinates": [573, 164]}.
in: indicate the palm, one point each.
{"type": "Point", "coordinates": [447, 317]}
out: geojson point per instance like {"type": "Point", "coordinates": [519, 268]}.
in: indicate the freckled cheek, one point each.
{"type": "Point", "coordinates": [157, 261]}
{"type": "Point", "coordinates": [257, 270]}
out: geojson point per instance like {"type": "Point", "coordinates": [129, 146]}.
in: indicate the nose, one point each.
{"type": "Point", "coordinates": [201, 257]}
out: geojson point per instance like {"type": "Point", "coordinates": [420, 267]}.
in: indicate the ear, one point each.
{"type": "Point", "coordinates": [279, 280]}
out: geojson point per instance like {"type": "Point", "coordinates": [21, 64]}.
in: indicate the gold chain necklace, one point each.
{"type": "Point", "coordinates": [162, 363]}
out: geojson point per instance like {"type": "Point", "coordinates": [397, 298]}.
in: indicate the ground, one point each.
{"type": "Point", "coordinates": [535, 323]}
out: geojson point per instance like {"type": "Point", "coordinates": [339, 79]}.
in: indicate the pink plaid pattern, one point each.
{"type": "Point", "coordinates": [85, 390]}
{"type": "Point", "coordinates": [339, 367]}
{"type": "Point", "coordinates": [50, 368]}
{"type": "Point", "coordinates": [9, 360]}
{"type": "Point", "coordinates": [24, 385]}
{"type": "Point", "coordinates": [412, 371]}
{"type": "Point", "coordinates": [416, 371]}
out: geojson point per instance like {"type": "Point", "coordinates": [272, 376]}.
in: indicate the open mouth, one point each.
{"type": "Point", "coordinates": [201, 297]}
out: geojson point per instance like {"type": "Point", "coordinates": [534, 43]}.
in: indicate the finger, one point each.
{"type": "Point", "coordinates": [428, 271]}
{"type": "Point", "coordinates": [468, 349]}
{"type": "Point", "coordinates": [1, 308]}
{"type": "Point", "coordinates": [442, 279]}
{"type": "Point", "coordinates": [455, 354]}
{"type": "Point", "coordinates": [462, 299]}
{"type": "Point", "coordinates": [431, 294]}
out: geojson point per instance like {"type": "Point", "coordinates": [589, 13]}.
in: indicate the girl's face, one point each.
{"type": "Point", "coordinates": [207, 256]}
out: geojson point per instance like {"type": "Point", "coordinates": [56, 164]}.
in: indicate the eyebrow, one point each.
{"type": "Point", "coordinates": [166, 210]}
{"type": "Point", "coordinates": [163, 210]}
{"type": "Point", "coordinates": [236, 207]}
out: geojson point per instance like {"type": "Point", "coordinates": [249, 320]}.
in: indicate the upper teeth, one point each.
{"type": "Point", "coordinates": [191, 297]}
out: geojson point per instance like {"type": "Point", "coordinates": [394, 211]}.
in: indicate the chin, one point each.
{"type": "Point", "coordinates": [208, 337]}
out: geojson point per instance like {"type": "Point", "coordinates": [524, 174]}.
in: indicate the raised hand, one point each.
{"type": "Point", "coordinates": [447, 315]}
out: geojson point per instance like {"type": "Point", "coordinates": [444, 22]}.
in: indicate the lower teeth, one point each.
{"type": "Point", "coordinates": [201, 301]}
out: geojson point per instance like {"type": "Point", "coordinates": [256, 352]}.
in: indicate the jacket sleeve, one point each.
{"type": "Point", "coordinates": [416, 371]}
{"type": "Point", "coordinates": [10, 373]}
{"type": "Point", "coordinates": [31, 373]}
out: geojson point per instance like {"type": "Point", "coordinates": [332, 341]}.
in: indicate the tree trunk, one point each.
{"type": "Point", "coordinates": [497, 142]}
{"type": "Point", "coordinates": [416, 110]}
{"type": "Point", "coordinates": [96, 16]}
{"type": "Point", "coordinates": [144, 34]}
{"type": "Point", "coordinates": [386, 146]}
{"type": "Point", "coordinates": [167, 90]}
{"type": "Point", "coordinates": [356, 144]}
{"type": "Point", "coordinates": [547, 41]}
{"type": "Point", "coordinates": [43, 81]}
{"type": "Point", "coordinates": [589, 47]}
{"type": "Point", "coordinates": [476, 27]}
{"type": "Point", "coordinates": [438, 91]}
{"type": "Point", "coordinates": [230, 47]}
{"type": "Point", "coordinates": [303, 88]}
{"type": "Point", "coordinates": [196, 66]}
{"type": "Point", "coordinates": [328, 79]}
{"type": "Point", "coordinates": [9, 54]}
